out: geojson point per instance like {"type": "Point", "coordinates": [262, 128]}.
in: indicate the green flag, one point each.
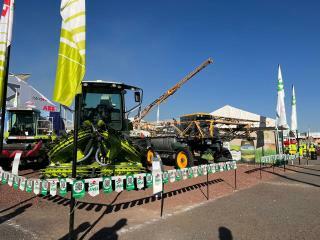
{"type": "Point", "coordinates": [71, 60]}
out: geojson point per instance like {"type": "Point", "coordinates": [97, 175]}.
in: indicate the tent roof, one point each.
{"type": "Point", "coordinates": [228, 111]}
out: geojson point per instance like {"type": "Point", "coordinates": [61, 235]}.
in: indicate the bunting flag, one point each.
{"type": "Point", "coordinates": [152, 180]}
{"type": "Point", "coordinates": [294, 122]}
{"type": "Point", "coordinates": [6, 22]}
{"type": "Point", "coordinates": [281, 110]}
{"type": "Point", "coordinates": [78, 189]}
{"type": "Point", "coordinates": [72, 52]}
{"type": "Point", "coordinates": [93, 188]}
{"type": "Point", "coordinates": [107, 185]}
{"type": "Point", "coordinates": [140, 180]}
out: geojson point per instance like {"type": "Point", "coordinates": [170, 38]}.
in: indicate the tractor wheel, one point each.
{"type": "Point", "coordinates": [184, 158]}
{"type": "Point", "coordinates": [149, 156]}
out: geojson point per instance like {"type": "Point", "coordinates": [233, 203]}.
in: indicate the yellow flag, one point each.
{"type": "Point", "coordinates": [71, 60]}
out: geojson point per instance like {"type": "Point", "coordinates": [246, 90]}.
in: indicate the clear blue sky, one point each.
{"type": "Point", "coordinates": [153, 44]}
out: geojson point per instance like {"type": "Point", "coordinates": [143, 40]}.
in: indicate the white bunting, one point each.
{"type": "Point", "coordinates": [93, 189]}
{"type": "Point", "coordinates": [172, 175]}
{"type": "Point", "coordinates": [36, 186]}
{"type": "Point", "coordinates": [140, 180]}
{"type": "Point", "coordinates": [118, 180]}
{"type": "Point", "coordinates": [195, 171]}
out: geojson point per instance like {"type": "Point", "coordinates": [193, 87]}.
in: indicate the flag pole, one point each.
{"type": "Point", "coordinates": [74, 163]}
{"type": "Point", "coordinates": [10, 7]}
{"type": "Point", "coordinates": [4, 98]}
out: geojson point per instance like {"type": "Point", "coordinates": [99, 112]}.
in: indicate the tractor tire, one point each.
{"type": "Point", "coordinates": [184, 158]}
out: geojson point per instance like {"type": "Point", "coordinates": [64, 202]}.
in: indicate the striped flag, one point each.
{"type": "Point", "coordinates": [6, 22]}
{"type": "Point", "coordinates": [71, 59]}
{"type": "Point", "coordinates": [281, 110]}
{"type": "Point", "coordinates": [294, 124]}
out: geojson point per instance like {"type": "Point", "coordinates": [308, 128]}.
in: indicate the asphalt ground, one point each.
{"type": "Point", "coordinates": [287, 207]}
{"type": "Point", "coordinates": [187, 213]}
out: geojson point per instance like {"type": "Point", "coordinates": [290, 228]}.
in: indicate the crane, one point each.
{"type": "Point", "coordinates": [171, 91]}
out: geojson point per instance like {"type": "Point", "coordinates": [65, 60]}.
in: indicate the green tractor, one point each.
{"type": "Point", "coordinates": [105, 146]}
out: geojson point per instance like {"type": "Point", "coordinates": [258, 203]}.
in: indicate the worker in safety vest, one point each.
{"type": "Point", "coordinates": [312, 151]}
{"type": "Point", "coordinates": [301, 151]}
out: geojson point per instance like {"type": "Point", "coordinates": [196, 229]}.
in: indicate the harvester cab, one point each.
{"type": "Point", "coordinates": [104, 144]}
{"type": "Point", "coordinates": [103, 103]}
{"type": "Point", "coordinates": [26, 125]}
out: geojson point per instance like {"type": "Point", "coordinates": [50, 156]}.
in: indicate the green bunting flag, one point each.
{"type": "Point", "coordinates": [22, 183]}
{"type": "Point", "coordinates": [107, 185]}
{"type": "Point", "coordinates": [16, 182]}
{"type": "Point", "coordinates": [209, 169]}
{"type": "Point", "coordinates": [190, 172]}
{"type": "Point", "coordinates": [44, 187]}
{"type": "Point", "coordinates": [130, 182]}
{"type": "Point", "coordinates": [36, 186]}
{"type": "Point", "coordinates": [93, 188]}
{"type": "Point", "coordinates": [140, 180]}
{"type": "Point", "coordinates": [29, 186]}
{"type": "Point", "coordinates": [53, 187]}
{"type": "Point", "coordinates": [149, 180]}
{"type": "Point", "coordinates": [4, 178]}
{"type": "Point", "coordinates": [78, 189]}
{"type": "Point", "coordinates": [63, 187]}
{"type": "Point", "coordinates": [178, 175]}
{"type": "Point", "coordinates": [165, 177]}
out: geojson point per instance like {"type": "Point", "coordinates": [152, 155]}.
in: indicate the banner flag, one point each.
{"type": "Point", "coordinates": [16, 182]}
{"type": "Point", "coordinates": [118, 183]}
{"type": "Point", "coordinates": [204, 169]}
{"type": "Point", "coordinates": [149, 180]}
{"type": "Point", "coordinates": [281, 110]}
{"type": "Point", "coordinates": [22, 183]}
{"type": "Point", "coordinates": [53, 187]}
{"type": "Point", "coordinates": [78, 189]}
{"type": "Point", "coordinates": [10, 180]}
{"type": "Point", "coordinates": [107, 185]}
{"type": "Point", "coordinates": [294, 121]}
{"type": "Point", "coordinates": [36, 186]}
{"type": "Point", "coordinates": [44, 187]}
{"type": "Point", "coordinates": [200, 173]}
{"type": "Point", "coordinates": [71, 60]}
{"type": "Point", "coordinates": [130, 182]}
{"type": "Point", "coordinates": [93, 188]}
{"type": "Point", "coordinates": [157, 183]}
{"type": "Point", "coordinates": [184, 173]}
{"type": "Point", "coordinates": [172, 175]}
{"type": "Point", "coordinates": [29, 185]}
{"type": "Point", "coordinates": [195, 171]}
{"type": "Point", "coordinates": [140, 180]}
{"type": "Point", "coordinates": [1, 173]}
{"type": "Point", "coordinates": [63, 187]}
{"type": "Point", "coordinates": [6, 22]}
{"type": "Point", "coordinates": [165, 177]}
{"type": "Point", "coordinates": [209, 168]}
{"type": "Point", "coordinates": [4, 179]}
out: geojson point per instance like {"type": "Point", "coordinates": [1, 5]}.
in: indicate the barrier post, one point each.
{"type": "Point", "coordinates": [235, 179]}
{"type": "Point", "coordinates": [162, 200]}
{"type": "Point", "coordinates": [260, 168]}
{"type": "Point", "coordinates": [207, 184]}
{"type": "Point", "coordinates": [284, 163]}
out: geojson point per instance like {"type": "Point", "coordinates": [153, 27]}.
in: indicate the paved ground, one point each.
{"type": "Point", "coordinates": [278, 207]}
{"type": "Point", "coordinates": [287, 207]}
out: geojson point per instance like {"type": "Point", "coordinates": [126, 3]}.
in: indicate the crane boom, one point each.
{"type": "Point", "coordinates": [172, 90]}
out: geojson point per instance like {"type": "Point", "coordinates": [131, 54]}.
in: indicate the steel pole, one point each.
{"type": "Point", "coordinates": [4, 98]}
{"type": "Point", "coordinates": [74, 164]}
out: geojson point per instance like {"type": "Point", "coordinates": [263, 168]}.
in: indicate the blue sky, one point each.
{"type": "Point", "coordinates": [153, 44]}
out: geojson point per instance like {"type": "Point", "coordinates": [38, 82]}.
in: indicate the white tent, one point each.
{"type": "Point", "coordinates": [21, 94]}
{"type": "Point", "coordinates": [228, 111]}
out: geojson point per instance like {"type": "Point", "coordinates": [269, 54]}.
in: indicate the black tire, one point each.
{"type": "Point", "coordinates": [223, 156]}
{"type": "Point", "coordinates": [189, 158]}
